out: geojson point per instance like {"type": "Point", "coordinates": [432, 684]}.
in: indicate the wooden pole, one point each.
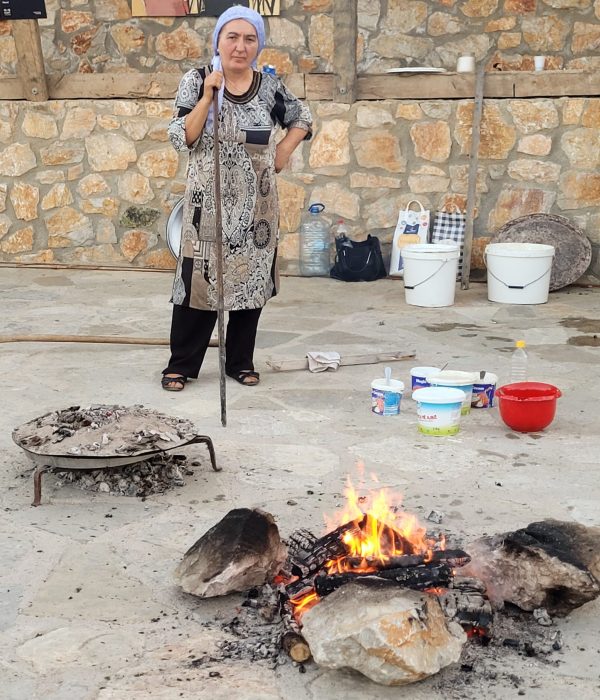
{"type": "Point", "coordinates": [472, 179]}
{"type": "Point", "coordinates": [219, 257]}
{"type": "Point", "coordinates": [30, 60]}
{"type": "Point", "coordinates": [344, 52]}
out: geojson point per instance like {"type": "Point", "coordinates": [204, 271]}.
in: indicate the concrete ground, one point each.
{"type": "Point", "coordinates": [88, 608]}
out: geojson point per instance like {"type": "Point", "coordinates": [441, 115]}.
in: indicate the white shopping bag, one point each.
{"type": "Point", "coordinates": [412, 227]}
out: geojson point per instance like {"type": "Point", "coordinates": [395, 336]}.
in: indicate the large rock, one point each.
{"type": "Point", "coordinates": [16, 160]}
{"type": "Point", "coordinates": [549, 564]}
{"type": "Point", "coordinates": [513, 203]}
{"type": "Point", "coordinates": [579, 190]}
{"type": "Point", "coordinates": [330, 146]}
{"type": "Point", "coordinates": [109, 152]}
{"type": "Point", "coordinates": [533, 115]}
{"type": "Point", "coordinates": [377, 148]}
{"type": "Point", "coordinates": [497, 136]}
{"type": "Point", "coordinates": [432, 140]}
{"type": "Point", "coordinates": [582, 147]}
{"type": "Point", "coordinates": [393, 636]}
{"type": "Point", "coordinates": [241, 551]}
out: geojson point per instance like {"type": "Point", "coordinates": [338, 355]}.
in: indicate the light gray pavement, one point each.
{"type": "Point", "coordinates": [88, 608]}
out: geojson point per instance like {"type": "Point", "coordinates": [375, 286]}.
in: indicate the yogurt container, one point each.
{"type": "Point", "coordinates": [418, 376]}
{"type": "Point", "coordinates": [439, 410]}
{"type": "Point", "coordinates": [386, 395]}
{"type": "Point", "coordinates": [456, 380]}
{"type": "Point", "coordinates": [484, 391]}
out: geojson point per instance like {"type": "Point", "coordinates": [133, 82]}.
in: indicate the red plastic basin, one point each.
{"type": "Point", "coordinates": [527, 406]}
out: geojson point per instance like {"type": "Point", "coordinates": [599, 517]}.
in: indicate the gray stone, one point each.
{"type": "Point", "coordinates": [139, 216]}
{"type": "Point", "coordinates": [241, 551]}
{"type": "Point", "coordinates": [393, 636]}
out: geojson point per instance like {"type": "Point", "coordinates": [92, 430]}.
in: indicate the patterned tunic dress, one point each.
{"type": "Point", "coordinates": [250, 207]}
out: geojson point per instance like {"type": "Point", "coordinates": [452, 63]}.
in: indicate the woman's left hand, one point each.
{"type": "Point", "coordinates": [282, 155]}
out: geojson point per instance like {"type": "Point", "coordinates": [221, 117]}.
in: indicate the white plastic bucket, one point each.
{"type": "Point", "coordinates": [418, 376]}
{"type": "Point", "coordinates": [386, 396]}
{"type": "Point", "coordinates": [438, 410]}
{"type": "Point", "coordinates": [430, 271]}
{"type": "Point", "coordinates": [518, 273]}
{"type": "Point", "coordinates": [457, 380]}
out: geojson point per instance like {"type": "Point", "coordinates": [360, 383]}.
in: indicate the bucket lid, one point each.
{"type": "Point", "coordinates": [431, 248]}
{"type": "Point", "coordinates": [453, 377]}
{"type": "Point", "coordinates": [395, 385]}
{"type": "Point", "coordinates": [438, 394]}
{"type": "Point", "coordinates": [520, 250]}
{"type": "Point", "coordinates": [424, 371]}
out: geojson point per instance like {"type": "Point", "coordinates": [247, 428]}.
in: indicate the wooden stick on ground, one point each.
{"type": "Point", "coordinates": [472, 178]}
{"type": "Point", "coordinates": [219, 256]}
{"type": "Point", "coordinates": [292, 365]}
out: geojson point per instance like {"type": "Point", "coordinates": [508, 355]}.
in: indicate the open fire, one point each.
{"type": "Point", "coordinates": [373, 539]}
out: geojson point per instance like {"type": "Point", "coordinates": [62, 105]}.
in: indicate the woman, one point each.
{"type": "Point", "coordinates": [251, 105]}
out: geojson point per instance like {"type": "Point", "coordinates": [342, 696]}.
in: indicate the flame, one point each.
{"type": "Point", "coordinates": [379, 532]}
{"type": "Point", "coordinates": [382, 531]}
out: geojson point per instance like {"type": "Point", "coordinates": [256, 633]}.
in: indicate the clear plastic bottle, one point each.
{"type": "Point", "coordinates": [315, 243]}
{"type": "Point", "coordinates": [341, 230]}
{"type": "Point", "coordinates": [518, 363]}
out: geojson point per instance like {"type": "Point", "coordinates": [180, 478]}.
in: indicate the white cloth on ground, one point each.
{"type": "Point", "coordinates": [320, 361]}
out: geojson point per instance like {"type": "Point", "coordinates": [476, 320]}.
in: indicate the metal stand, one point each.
{"type": "Point", "coordinates": [37, 474]}
{"type": "Point", "coordinates": [37, 484]}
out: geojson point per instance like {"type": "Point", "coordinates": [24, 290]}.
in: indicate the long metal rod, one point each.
{"type": "Point", "coordinates": [472, 178]}
{"type": "Point", "coordinates": [219, 257]}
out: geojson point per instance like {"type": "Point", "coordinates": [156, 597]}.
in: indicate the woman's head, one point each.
{"type": "Point", "coordinates": [239, 37]}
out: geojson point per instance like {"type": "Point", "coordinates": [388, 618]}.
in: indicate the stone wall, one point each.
{"type": "Point", "coordinates": [101, 36]}
{"type": "Point", "coordinates": [94, 181]}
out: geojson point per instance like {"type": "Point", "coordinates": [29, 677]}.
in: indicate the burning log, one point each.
{"type": "Point", "coordinates": [453, 557]}
{"type": "Point", "coordinates": [420, 578]}
{"type": "Point", "coordinates": [292, 641]}
{"type": "Point", "coordinates": [328, 547]}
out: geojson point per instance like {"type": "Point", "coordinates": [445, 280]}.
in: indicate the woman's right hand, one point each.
{"type": "Point", "coordinates": [212, 82]}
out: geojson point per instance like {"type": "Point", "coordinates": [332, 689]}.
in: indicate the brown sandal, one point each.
{"type": "Point", "coordinates": [178, 380]}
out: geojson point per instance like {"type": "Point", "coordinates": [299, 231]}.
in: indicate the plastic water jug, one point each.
{"type": "Point", "coordinates": [315, 242]}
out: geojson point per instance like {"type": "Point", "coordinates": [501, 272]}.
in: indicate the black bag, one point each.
{"type": "Point", "coordinates": [358, 261]}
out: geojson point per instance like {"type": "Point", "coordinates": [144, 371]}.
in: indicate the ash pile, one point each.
{"type": "Point", "coordinates": [155, 475]}
{"type": "Point", "coordinates": [102, 431]}
{"type": "Point", "coordinates": [400, 619]}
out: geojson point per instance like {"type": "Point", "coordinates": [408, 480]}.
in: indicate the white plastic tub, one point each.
{"type": "Point", "coordinates": [518, 273]}
{"type": "Point", "coordinates": [430, 271]}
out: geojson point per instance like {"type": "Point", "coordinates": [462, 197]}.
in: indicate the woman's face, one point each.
{"type": "Point", "coordinates": [238, 45]}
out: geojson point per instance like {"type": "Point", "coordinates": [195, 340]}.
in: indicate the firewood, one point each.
{"type": "Point", "coordinates": [454, 557]}
{"type": "Point", "coordinates": [296, 647]}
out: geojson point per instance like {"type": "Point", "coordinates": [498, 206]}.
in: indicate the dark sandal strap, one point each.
{"type": "Point", "coordinates": [244, 374]}
{"type": "Point", "coordinates": [165, 381]}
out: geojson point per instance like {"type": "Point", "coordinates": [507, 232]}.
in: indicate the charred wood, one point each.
{"type": "Point", "coordinates": [292, 641]}
{"type": "Point", "coordinates": [420, 577]}
{"type": "Point", "coordinates": [454, 557]}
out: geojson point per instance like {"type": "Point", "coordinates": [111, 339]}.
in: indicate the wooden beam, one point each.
{"type": "Point", "coordinates": [321, 86]}
{"type": "Point", "coordinates": [11, 88]}
{"type": "Point", "coordinates": [345, 33]}
{"type": "Point", "coordinates": [30, 61]}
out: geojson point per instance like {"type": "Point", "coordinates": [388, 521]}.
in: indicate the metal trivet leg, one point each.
{"type": "Point", "coordinates": [37, 484]}
{"type": "Point", "coordinates": [211, 450]}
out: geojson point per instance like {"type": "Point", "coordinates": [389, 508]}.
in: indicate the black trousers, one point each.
{"type": "Point", "coordinates": [191, 330]}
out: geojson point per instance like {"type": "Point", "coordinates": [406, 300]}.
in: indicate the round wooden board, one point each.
{"type": "Point", "coordinates": [573, 250]}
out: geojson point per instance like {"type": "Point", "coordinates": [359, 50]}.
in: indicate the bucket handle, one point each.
{"type": "Point", "coordinates": [427, 278]}
{"type": "Point", "coordinates": [515, 286]}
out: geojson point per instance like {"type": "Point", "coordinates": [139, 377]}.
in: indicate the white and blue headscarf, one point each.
{"type": "Point", "coordinates": [235, 12]}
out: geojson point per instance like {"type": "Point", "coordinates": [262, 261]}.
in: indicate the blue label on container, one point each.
{"type": "Point", "coordinates": [419, 382]}
{"type": "Point", "coordinates": [385, 403]}
{"type": "Point", "coordinates": [483, 395]}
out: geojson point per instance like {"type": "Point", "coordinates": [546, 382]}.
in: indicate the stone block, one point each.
{"type": "Point", "coordinates": [330, 146]}
{"type": "Point", "coordinates": [17, 159]}
{"type": "Point", "coordinates": [280, 59]}
{"type": "Point", "coordinates": [3, 193]}
{"type": "Point", "coordinates": [371, 180]}
{"type": "Point", "coordinates": [291, 204]}
{"type": "Point", "coordinates": [591, 113]}
{"type": "Point", "coordinates": [479, 8]}
{"type": "Point", "coordinates": [58, 196]}
{"type": "Point", "coordinates": [547, 33]}
{"type": "Point", "coordinates": [135, 187]}
{"type": "Point", "coordinates": [579, 190]}
{"type": "Point", "coordinates": [502, 24]}
{"type": "Point", "coordinates": [91, 185]}
{"type": "Point", "coordinates": [377, 148]}
{"type": "Point", "coordinates": [134, 217]}
{"type": "Point", "coordinates": [25, 199]}
{"type": "Point", "coordinates": [283, 32]}
{"type": "Point", "coordinates": [5, 224]}
{"type": "Point", "coordinates": [136, 129]}
{"type": "Point", "coordinates": [370, 117]}
{"type": "Point", "coordinates": [509, 40]}
{"type": "Point", "coordinates": [582, 147]}
{"type": "Point", "coordinates": [533, 170]}
{"type": "Point", "coordinates": [180, 44]}
{"type": "Point", "coordinates": [442, 23]}
{"type": "Point", "coordinates": [128, 37]}
{"type": "Point", "coordinates": [18, 242]}
{"type": "Point", "coordinates": [73, 20]}
{"type": "Point", "coordinates": [135, 242]}
{"type": "Point", "coordinates": [66, 227]}
{"type": "Point", "coordinates": [405, 15]}
{"type": "Point", "coordinates": [432, 140]}
{"type": "Point", "coordinates": [535, 145]}
{"type": "Point", "coordinates": [159, 259]}
{"type": "Point", "coordinates": [519, 7]}
{"type": "Point", "coordinates": [62, 154]}
{"type": "Point", "coordinates": [159, 163]}
{"type": "Point", "coordinates": [320, 36]}
{"type": "Point", "coordinates": [513, 203]}
{"type": "Point", "coordinates": [338, 200]}
{"type": "Point", "coordinates": [109, 152]}
{"type": "Point", "coordinates": [79, 122]}
{"type": "Point", "coordinates": [497, 136]}
{"type": "Point", "coordinates": [533, 115]}
{"type": "Point", "coordinates": [586, 37]}
{"type": "Point", "coordinates": [108, 206]}
{"type": "Point", "coordinates": [39, 126]}
{"type": "Point", "coordinates": [409, 110]}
